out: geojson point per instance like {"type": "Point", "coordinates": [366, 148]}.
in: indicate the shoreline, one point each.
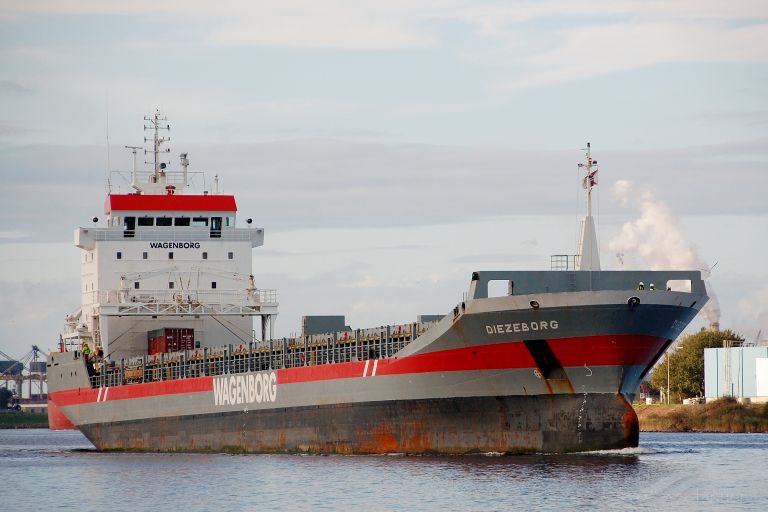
{"type": "Point", "coordinates": [14, 420]}
{"type": "Point", "coordinates": [725, 415]}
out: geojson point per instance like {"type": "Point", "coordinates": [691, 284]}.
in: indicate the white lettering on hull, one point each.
{"type": "Point", "coordinates": [252, 388]}
{"type": "Point", "coordinates": [544, 325]}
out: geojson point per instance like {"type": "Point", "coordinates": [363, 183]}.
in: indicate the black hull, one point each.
{"type": "Point", "coordinates": [512, 424]}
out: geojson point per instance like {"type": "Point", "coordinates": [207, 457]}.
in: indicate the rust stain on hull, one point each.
{"type": "Point", "coordinates": [516, 424]}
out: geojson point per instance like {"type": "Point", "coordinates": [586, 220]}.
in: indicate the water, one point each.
{"type": "Point", "coordinates": [47, 470]}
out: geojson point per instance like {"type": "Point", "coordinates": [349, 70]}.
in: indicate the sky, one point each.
{"type": "Point", "coordinates": [391, 148]}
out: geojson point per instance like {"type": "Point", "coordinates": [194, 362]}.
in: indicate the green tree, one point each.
{"type": "Point", "coordinates": [686, 363]}
{"type": "Point", "coordinates": [5, 397]}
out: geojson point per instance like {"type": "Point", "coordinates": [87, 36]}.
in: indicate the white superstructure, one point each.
{"type": "Point", "coordinates": [167, 260]}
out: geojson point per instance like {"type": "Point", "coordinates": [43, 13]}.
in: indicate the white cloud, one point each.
{"type": "Point", "coordinates": [602, 49]}
{"type": "Point", "coordinates": [753, 314]}
{"type": "Point", "coordinates": [589, 39]}
{"type": "Point", "coordinates": [655, 239]}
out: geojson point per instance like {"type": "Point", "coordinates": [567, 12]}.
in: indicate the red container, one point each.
{"type": "Point", "coordinates": [170, 340]}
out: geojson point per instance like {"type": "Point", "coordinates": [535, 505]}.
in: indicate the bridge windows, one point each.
{"type": "Point", "coordinates": [200, 222]}
{"type": "Point", "coordinates": [146, 221]}
{"type": "Point", "coordinates": [215, 227]}
{"type": "Point", "coordinates": [181, 221]}
{"type": "Point", "coordinates": [130, 227]}
{"type": "Point", "coordinates": [163, 221]}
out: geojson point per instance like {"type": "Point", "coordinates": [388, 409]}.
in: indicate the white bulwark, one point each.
{"type": "Point", "coordinates": [164, 259]}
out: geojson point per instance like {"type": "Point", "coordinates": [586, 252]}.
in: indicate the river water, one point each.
{"type": "Point", "coordinates": [45, 470]}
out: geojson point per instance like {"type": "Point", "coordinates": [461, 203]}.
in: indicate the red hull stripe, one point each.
{"type": "Point", "coordinates": [176, 202]}
{"type": "Point", "coordinates": [169, 387]}
{"type": "Point", "coordinates": [56, 419]}
{"type": "Point", "coordinates": [619, 350]}
{"type": "Point", "coordinates": [591, 351]}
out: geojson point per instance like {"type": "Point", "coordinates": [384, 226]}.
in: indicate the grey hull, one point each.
{"type": "Point", "coordinates": [511, 424]}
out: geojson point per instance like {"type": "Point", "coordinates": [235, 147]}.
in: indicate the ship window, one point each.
{"type": "Point", "coordinates": [230, 255]}
{"type": "Point", "coordinates": [144, 255]}
{"type": "Point", "coordinates": [205, 255]}
{"type": "Point", "coordinates": [213, 285]}
{"type": "Point", "coordinates": [136, 285]}
{"type": "Point", "coordinates": [130, 226]}
{"type": "Point", "coordinates": [230, 221]}
{"type": "Point", "coordinates": [170, 285]}
{"type": "Point", "coordinates": [163, 221]}
{"type": "Point", "coordinates": [181, 221]}
{"type": "Point", "coordinates": [200, 221]}
{"type": "Point", "coordinates": [119, 255]}
{"type": "Point", "coordinates": [170, 255]}
{"type": "Point", "coordinates": [146, 221]}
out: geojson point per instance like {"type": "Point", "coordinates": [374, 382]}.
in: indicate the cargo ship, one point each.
{"type": "Point", "coordinates": [162, 355]}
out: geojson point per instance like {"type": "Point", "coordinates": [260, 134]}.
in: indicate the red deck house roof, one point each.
{"type": "Point", "coordinates": [175, 202]}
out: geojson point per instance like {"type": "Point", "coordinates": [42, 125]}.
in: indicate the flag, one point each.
{"type": "Point", "coordinates": [590, 180]}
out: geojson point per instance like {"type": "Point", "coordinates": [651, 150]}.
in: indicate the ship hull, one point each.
{"type": "Point", "coordinates": [496, 376]}
{"type": "Point", "coordinates": [461, 425]}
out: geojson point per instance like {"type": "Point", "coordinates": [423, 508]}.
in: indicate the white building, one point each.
{"type": "Point", "coordinates": [740, 372]}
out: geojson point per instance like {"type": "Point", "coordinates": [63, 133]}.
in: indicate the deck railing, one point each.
{"type": "Point", "coordinates": [172, 296]}
{"type": "Point", "coordinates": [310, 350]}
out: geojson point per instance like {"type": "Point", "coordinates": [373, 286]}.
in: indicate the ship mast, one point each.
{"type": "Point", "coordinates": [589, 256]}
{"type": "Point", "coordinates": [154, 124]}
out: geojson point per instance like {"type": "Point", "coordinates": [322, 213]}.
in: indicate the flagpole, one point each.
{"type": "Point", "coordinates": [589, 257]}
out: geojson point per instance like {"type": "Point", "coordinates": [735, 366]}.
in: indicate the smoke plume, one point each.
{"type": "Point", "coordinates": [655, 240]}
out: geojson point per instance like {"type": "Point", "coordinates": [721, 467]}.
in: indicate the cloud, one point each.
{"type": "Point", "coordinates": [656, 239]}
{"type": "Point", "coordinates": [14, 87]}
{"type": "Point", "coordinates": [535, 43]}
{"type": "Point", "coordinates": [753, 314]}
{"type": "Point", "coordinates": [357, 27]}
{"type": "Point", "coordinates": [603, 49]}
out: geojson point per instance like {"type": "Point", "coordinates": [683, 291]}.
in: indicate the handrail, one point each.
{"type": "Point", "coordinates": [168, 296]}
{"type": "Point", "coordinates": [172, 234]}
{"type": "Point", "coordinates": [311, 350]}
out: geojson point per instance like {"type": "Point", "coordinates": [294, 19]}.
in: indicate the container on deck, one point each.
{"type": "Point", "coordinates": [170, 340]}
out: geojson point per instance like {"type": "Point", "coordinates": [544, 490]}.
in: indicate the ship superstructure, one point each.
{"type": "Point", "coordinates": [549, 367]}
{"type": "Point", "coordinates": [169, 260]}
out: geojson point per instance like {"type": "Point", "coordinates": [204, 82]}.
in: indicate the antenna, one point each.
{"type": "Point", "coordinates": [109, 166]}
{"type": "Point", "coordinates": [590, 176]}
{"type": "Point", "coordinates": [184, 165]}
{"type": "Point", "coordinates": [589, 255]}
{"type": "Point", "coordinates": [155, 125]}
{"type": "Point", "coordinates": [134, 183]}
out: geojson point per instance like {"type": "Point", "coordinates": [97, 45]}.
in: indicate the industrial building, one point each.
{"type": "Point", "coordinates": [737, 371]}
